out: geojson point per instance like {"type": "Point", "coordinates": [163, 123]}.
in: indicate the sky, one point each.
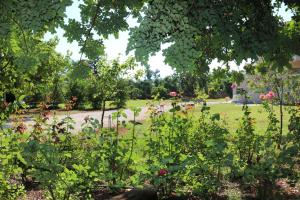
{"type": "Point", "coordinates": [117, 47]}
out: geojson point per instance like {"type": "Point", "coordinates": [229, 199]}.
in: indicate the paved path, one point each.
{"type": "Point", "coordinates": [79, 117]}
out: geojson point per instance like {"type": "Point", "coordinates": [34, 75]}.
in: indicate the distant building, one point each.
{"type": "Point", "coordinates": [238, 97]}
{"type": "Point", "coordinates": [252, 94]}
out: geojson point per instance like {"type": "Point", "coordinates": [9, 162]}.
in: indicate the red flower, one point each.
{"type": "Point", "coordinates": [162, 172]}
{"type": "Point", "coordinates": [173, 94]}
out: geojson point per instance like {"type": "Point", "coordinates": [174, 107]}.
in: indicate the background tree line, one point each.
{"type": "Point", "coordinates": [94, 83]}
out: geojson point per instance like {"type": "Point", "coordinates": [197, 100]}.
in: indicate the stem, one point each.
{"type": "Point", "coordinates": [281, 115]}
{"type": "Point", "coordinates": [171, 134]}
{"type": "Point", "coordinates": [103, 111]}
{"type": "Point", "coordinates": [6, 65]}
{"type": "Point", "coordinates": [115, 149]}
{"type": "Point", "coordinates": [131, 147]}
{"type": "Point", "coordinates": [66, 196]}
{"type": "Point", "coordinates": [51, 193]}
{"type": "Point", "coordinates": [117, 125]}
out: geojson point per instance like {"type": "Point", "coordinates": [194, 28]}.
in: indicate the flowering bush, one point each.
{"type": "Point", "coordinates": [268, 96]}
{"type": "Point", "coordinates": [178, 154]}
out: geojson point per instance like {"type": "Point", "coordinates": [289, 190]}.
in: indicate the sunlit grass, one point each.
{"type": "Point", "coordinates": [231, 115]}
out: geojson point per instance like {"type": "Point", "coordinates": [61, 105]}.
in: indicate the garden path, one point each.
{"type": "Point", "coordinates": [79, 117]}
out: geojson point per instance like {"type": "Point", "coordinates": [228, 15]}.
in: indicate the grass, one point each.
{"type": "Point", "coordinates": [217, 100]}
{"type": "Point", "coordinates": [232, 114]}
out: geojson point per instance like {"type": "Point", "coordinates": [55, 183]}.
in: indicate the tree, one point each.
{"type": "Point", "coordinates": [226, 30]}
{"type": "Point", "coordinates": [106, 81]}
{"type": "Point", "coordinates": [197, 31]}
{"type": "Point", "coordinates": [221, 80]}
{"type": "Point", "coordinates": [23, 24]}
{"type": "Point", "coordinates": [285, 83]}
{"type": "Point", "coordinates": [36, 72]}
{"type": "Point", "coordinates": [200, 31]}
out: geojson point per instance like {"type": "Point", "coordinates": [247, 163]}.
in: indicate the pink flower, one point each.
{"type": "Point", "coordinates": [162, 172]}
{"type": "Point", "coordinates": [271, 94]}
{"type": "Point", "coordinates": [173, 94]}
{"type": "Point", "coordinates": [233, 86]}
{"type": "Point", "coordinates": [262, 96]}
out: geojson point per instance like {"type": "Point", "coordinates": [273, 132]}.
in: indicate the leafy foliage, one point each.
{"type": "Point", "coordinates": [179, 153]}
{"type": "Point", "coordinates": [228, 31]}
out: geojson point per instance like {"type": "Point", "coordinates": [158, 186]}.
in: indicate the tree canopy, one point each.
{"type": "Point", "coordinates": [196, 31]}
{"type": "Point", "coordinates": [229, 30]}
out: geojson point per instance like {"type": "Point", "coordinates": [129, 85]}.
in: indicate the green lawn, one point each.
{"type": "Point", "coordinates": [217, 100]}
{"type": "Point", "coordinates": [232, 114]}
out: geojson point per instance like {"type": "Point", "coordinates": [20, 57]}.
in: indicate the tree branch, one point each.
{"type": "Point", "coordinates": [91, 28]}
{"type": "Point", "coordinates": [22, 32]}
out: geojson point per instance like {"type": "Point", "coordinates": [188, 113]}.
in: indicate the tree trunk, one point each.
{"type": "Point", "coordinates": [103, 112]}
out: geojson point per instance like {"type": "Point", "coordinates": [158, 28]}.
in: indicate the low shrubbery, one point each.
{"type": "Point", "coordinates": [179, 153]}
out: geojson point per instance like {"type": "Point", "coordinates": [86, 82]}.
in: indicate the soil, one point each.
{"type": "Point", "coordinates": [282, 191]}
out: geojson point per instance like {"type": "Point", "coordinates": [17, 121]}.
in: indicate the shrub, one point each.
{"type": "Point", "coordinates": [180, 153]}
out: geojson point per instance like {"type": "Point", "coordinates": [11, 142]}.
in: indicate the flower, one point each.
{"type": "Point", "coordinates": [162, 172]}
{"type": "Point", "coordinates": [233, 86]}
{"type": "Point", "coordinates": [270, 95]}
{"type": "Point", "coordinates": [173, 94]}
{"type": "Point", "coordinates": [262, 97]}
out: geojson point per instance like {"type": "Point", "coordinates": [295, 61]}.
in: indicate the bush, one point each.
{"type": "Point", "coordinates": [179, 153]}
